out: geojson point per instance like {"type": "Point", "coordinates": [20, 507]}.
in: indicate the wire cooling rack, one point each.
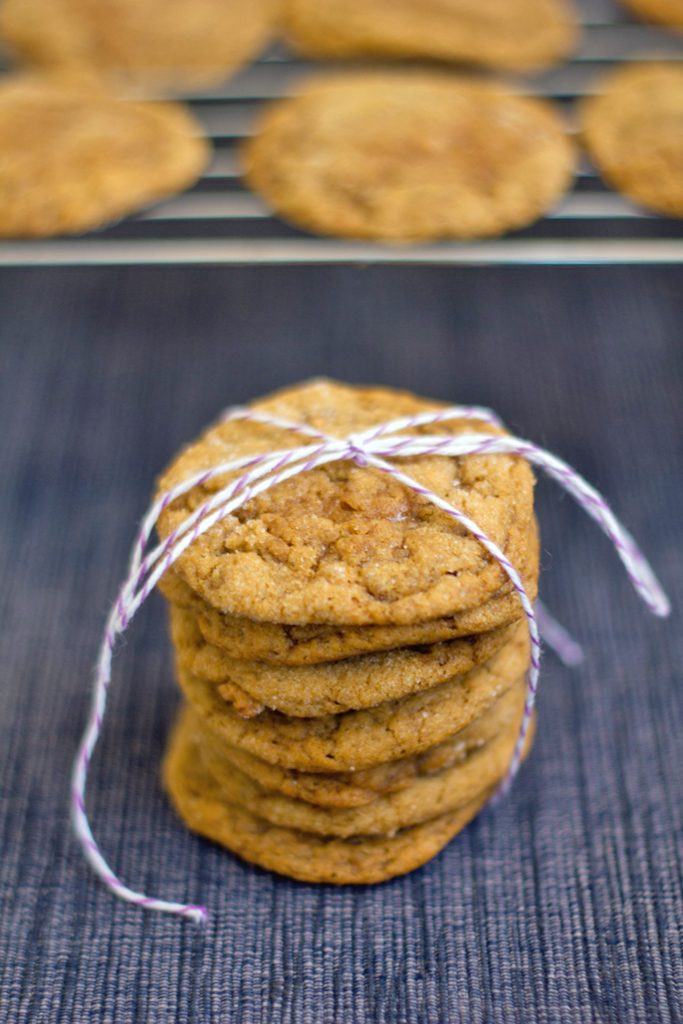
{"type": "Point", "coordinates": [220, 222]}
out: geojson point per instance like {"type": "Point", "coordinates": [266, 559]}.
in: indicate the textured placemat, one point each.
{"type": "Point", "coordinates": [563, 904]}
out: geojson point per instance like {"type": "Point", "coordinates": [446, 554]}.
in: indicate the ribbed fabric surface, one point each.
{"type": "Point", "coordinates": [562, 904]}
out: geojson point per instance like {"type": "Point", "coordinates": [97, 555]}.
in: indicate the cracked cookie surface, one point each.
{"type": "Point", "coordinates": [343, 544]}
{"type": "Point", "coordinates": [278, 644]}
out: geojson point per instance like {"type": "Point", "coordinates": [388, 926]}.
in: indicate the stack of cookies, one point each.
{"type": "Point", "coordinates": [352, 661]}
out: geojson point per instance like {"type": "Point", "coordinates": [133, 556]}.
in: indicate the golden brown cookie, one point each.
{"type": "Point", "coordinates": [514, 34]}
{"type": "Point", "coordinates": [153, 44]}
{"type": "Point", "coordinates": [311, 691]}
{"type": "Point", "coordinates": [73, 158]}
{"type": "Point", "coordinates": [360, 739]}
{"type": "Point", "coordinates": [197, 799]}
{"type": "Point", "coordinates": [344, 544]}
{"type": "Point", "coordinates": [633, 130]}
{"type": "Point", "coordinates": [405, 156]}
{"type": "Point", "coordinates": [358, 788]}
{"type": "Point", "coordinates": [354, 788]}
{"type": "Point", "coordinates": [665, 12]}
{"type": "Point", "coordinates": [425, 798]}
{"type": "Point", "coordinates": [312, 645]}
{"type": "Point", "coordinates": [276, 644]}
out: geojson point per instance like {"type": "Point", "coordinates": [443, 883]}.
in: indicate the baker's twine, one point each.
{"type": "Point", "coordinates": [369, 448]}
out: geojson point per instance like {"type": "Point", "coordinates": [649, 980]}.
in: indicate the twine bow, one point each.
{"type": "Point", "coordinates": [371, 448]}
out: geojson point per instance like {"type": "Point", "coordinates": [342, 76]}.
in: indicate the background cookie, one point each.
{"type": "Point", "coordinates": [516, 34]}
{"type": "Point", "coordinates": [402, 156]}
{"type": "Point", "coordinates": [666, 12]}
{"type": "Point", "coordinates": [73, 158]}
{"type": "Point", "coordinates": [160, 44]}
{"type": "Point", "coordinates": [633, 130]}
{"type": "Point", "coordinates": [342, 544]}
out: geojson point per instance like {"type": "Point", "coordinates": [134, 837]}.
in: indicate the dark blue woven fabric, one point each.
{"type": "Point", "coordinates": [563, 904]}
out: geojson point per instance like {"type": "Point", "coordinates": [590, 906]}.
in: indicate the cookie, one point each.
{"type": "Point", "coordinates": [513, 34]}
{"type": "Point", "coordinates": [360, 739]}
{"type": "Point", "coordinates": [167, 45]}
{"type": "Point", "coordinates": [73, 158]}
{"type": "Point", "coordinates": [425, 798]}
{"type": "Point", "coordinates": [633, 130]}
{"type": "Point", "coordinates": [313, 645]}
{"type": "Point", "coordinates": [311, 691]}
{"type": "Point", "coordinates": [406, 156]}
{"type": "Point", "coordinates": [198, 801]}
{"type": "Point", "coordinates": [247, 640]}
{"type": "Point", "coordinates": [344, 544]}
{"type": "Point", "coordinates": [360, 788]}
{"type": "Point", "coordinates": [665, 12]}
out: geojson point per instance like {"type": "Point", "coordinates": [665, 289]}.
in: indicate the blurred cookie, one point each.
{"type": "Point", "coordinates": [633, 130]}
{"type": "Point", "coordinates": [403, 156]}
{"type": "Point", "coordinates": [153, 44]}
{"type": "Point", "coordinates": [664, 12]}
{"type": "Point", "coordinates": [514, 34]}
{"type": "Point", "coordinates": [73, 158]}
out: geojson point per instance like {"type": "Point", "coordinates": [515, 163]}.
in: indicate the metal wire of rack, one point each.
{"type": "Point", "coordinates": [220, 222]}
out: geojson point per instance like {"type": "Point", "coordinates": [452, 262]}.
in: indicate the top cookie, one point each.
{"type": "Point", "coordinates": [633, 130]}
{"type": "Point", "coordinates": [514, 34]}
{"type": "Point", "coordinates": [73, 157]}
{"type": "Point", "coordinates": [343, 544]}
{"type": "Point", "coordinates": [405, 156]}
{"type": "Point", "coordinates": [157, 44]}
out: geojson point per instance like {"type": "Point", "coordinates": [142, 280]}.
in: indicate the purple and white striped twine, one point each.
{"type": "Point", "coordinates": [370, 448]}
